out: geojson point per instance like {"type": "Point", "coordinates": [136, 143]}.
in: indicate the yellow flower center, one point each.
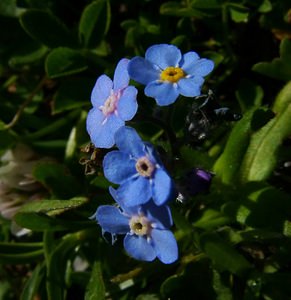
{"type": "Point", "coordinates": [145, 167]}
{"type": "Point", "coordinates": [140, 225]}
{"type": "Point", "coordinates": [172, 74]}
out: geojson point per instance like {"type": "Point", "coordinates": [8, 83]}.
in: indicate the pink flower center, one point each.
{"type": "Point", "coordinates": [110, 103]}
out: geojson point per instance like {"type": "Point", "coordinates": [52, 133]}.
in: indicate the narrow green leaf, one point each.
{"type": "Point", "coordinates": [95, 289]}
{"type": "Point", "coordinates": [21, 258]}
{"type": "Point", "coordinates": [228, 163]}
{"type": "Point", "coordinates": [94, 23]}
{"type": "Point", "coordinates": [31, 287]}
{"type": "Point", "coordinates": [56, 266]}
{"type": "Point", "coordinates": [260, 158]}
{"type": "Point", "coordinates": [63, 62]}
{"type": "Point", "coordinates": [249, 94]}
{"type": "Point", "coordinates": [283, 99]}
{"type": "Point", "coordinates": [13, 248]}
{"type": "Point", "coordinates": [223, 254]}
{"type": "Point", "coordinates": [46, 28]}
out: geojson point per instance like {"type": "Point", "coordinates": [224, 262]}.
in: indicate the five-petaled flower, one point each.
{"type": "Point", "coordinates": [167, 73]}
{"type": "Point", "coordinates": [113, 104]}
{"type": "Point", "coordinates": [146, 229]}
{"type": "Point", "coordinates": [139, 171]}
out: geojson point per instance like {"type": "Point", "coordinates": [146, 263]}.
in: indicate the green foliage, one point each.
{"type": "Point", "coordinates": [234, 240]}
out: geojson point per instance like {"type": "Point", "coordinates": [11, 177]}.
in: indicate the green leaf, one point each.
{"type": "Point", "coordinates": [206, 4]}
{"type": "Point", "coordinates": [9, 8]}
{"type": "Point", "coordinates": [279, 68]}
{"type": "Point", "coordinates": [256, 208]}
{"type": "Point", "coordinates": [94, 23]}
{"type": "Point", "coordinates": [56, 266]}
{"type": "Point", "coordinates": [53, 207]}
{"type": "Point", "coordinates": [41, 222]}
{"type": "Point", "coordinates": [176, 9]}
{"type": "Point", "coordinates": [265, 7]}
{"type": "Point", "coordinates": [261, 155]}
{"type": "Point", "coordinates": [63, 62]}
{"type": "Point", "coordinates": [14, 248]}
{"type": "Point", "coordinates": [95, 289]}
{"type": "Point", "coordinates": [46, 28]}
{"type": "Point", "coordinates": [57, 179]}
{"type": "Point", "coordinates": [212, 219]}
{"type": "Point", "coordinates": [249, 94]}
{"type": "Point", "coordinates": [28, 58]}
{"type": "Point", "coordinates": [72, 93]}
{"type": "Point", "coordinates": [228, 164]}
{"type": "Point", "coordinates": [41, 216]}
{"type": "Point", "coordinates": [31, 287]}
{"type": "Point", "coordinates": [21, 258]}
{"type": "Point", "coordinates": [223, 254]}
{"type": "Point", "coordinates": [238, 13]}
{"type": "Point", "coordinates": [283, 99]}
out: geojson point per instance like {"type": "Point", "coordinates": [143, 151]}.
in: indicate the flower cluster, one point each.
{"type": "Point", "coordinates": [145, 187]}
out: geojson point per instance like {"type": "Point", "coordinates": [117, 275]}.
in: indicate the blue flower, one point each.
{"type": "Point", "coordinates": [166, 73]}
{"type": "Point", "coordinates": [138, 170]}
{"type": "Point", "coordinates": [146, 229]}
{"type": "Point", "coordinates": [113, 104]}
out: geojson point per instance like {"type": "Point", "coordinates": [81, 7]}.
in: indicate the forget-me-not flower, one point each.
{"type": "Point", "coordinates": [139, 171]}
{"type": "Point", "coordinates": [113, 104]}
{"type": "Point", "coordinates": [146, 229]}
{"type": "Point", "coordinates": [167, 73]}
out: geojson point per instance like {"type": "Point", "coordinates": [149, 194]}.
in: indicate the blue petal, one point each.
{"type": "Point", "coordinates": [139, 248]}
{"type": "Point", "coordinates": [129, 211]}
{"type": "Point", "coordinates": [164, 93]}
{"type": "Point", "coordinates": [163, 55]}
{"type": "Point", "coordinates": [201, 67]}
{"type": "Point", "coordinates": [121, 77]}
{"type": "Point", "coordinates": [165, 245]}
{"type": "Point", "coordinates": [118, 167]}
{"type": "Point", "coordinates": [159, 215]}
{"type": "Point", "coordinates": [190, 87]}
{"type": "Point", "coordinates": [101, 90]}
{"type": "Point", "coordinates": [163, 187]}
{"type": "Point", "coordinates": [127, 104]}
{"type": "Point", "coordinates": [128, 141]}
{"type": "Point", "coordinates": [134, 191]}
{"type": "Point", "coordinates": [112, 220]}
{"type": "Point", "coordinates": [152, 153]}
{"type": "Point", "coordinates": [188, 61]}
{"type": "Point", "coordinates": [94, 126]}
{"type": "Point", "coordinates": [102, 133]}
{"type": "Point", "coordinates": [142, 71]}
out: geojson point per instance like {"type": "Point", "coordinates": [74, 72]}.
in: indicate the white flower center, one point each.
{"type": "Point", "coordinates": [140, 225]}
{"type": "Point", "coordinates": [144, 167]}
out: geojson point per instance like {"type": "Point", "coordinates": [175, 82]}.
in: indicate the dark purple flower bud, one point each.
{"type": "Point", "coordinates": [194, 182]}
